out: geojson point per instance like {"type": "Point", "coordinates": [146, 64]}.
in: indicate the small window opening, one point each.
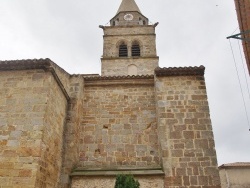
{"type": "Point", "coordinates": [113, 23]}
{"type": "Point", "coordinates": [123, 50]}
{"type": "Point", "coordinates": [136, 51]}
{"type": "Point", "coordinates": [144, 22]}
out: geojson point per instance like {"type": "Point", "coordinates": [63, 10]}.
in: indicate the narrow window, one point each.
{"type": "Point", "coordinates": [113, 23]}
{"type": "Point", "coordinates": [144, 22]}
{"type": "Point", "coordinates": [136, 51]}
{"type": "Point", "coordinates": [123, 50]}
{"type": "Point", "coordinates": [140, 21]}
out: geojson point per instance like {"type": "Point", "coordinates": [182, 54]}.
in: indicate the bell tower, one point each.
{"type": "Point", "coordinates": [129, 46]}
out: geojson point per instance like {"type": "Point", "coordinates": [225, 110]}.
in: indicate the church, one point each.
{"type": "Point", "coordinates": [59, 130]}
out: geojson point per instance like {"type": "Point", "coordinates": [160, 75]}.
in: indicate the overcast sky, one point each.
{"type": "Point", "coordinates": [190, 33]}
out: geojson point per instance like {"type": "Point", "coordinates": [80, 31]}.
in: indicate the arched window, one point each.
{"type": "Point", "coordinates": [136, 51]}
{"type": "Point", "coordinates": [132, 70]}
{"type": "Point", "coordinates": [123, 50]}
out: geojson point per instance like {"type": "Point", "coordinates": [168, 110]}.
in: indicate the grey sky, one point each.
{"type": "Point", "coordinates": [190, 33]}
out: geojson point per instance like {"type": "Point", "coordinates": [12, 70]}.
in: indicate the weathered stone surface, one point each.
{"type": "Point", "coordinates": [185, 132]}
{"type": "Point", "coordinates": [33, 111]}
{"type": "Point", "coordinates": [123, 127]}
{"type": "Point", "coordinates": [43, 136]}
{"type": "Point", "coordinates": [145, 64]}
{"type": "Point", "coordinates": [109, 182]}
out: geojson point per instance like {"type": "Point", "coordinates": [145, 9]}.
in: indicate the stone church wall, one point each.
{"type": "Point", "coordinates": [72, 129]}
{"type": "Point", "coordinates": [22, 108]}
{"type": "Point", "coordinates": [119, 126]}
{"type": "Point", "coordinates": [32, 111]}
{"type": "Point", "coordinates": [52, 139]}
{"type": "Point", "coordinates": [185, 132]}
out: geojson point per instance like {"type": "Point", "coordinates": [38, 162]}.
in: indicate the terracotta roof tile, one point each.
{"type": "Point", "coordinates": [118, 77]}
{"type": "Point", "coordinates": [27, 64]}
{"type": "Point", "coordinates": [180, 71]}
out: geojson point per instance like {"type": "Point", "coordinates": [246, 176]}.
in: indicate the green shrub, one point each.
{"type": "Point", "coordinates": [126, 181]}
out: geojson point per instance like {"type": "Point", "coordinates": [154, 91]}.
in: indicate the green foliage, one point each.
{"type": "Point", "coordinates": [126, 181]}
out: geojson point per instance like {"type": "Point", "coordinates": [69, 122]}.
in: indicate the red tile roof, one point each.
{"type": "Point", "coordinates": [180, 71]}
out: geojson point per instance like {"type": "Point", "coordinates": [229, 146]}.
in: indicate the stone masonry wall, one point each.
{"type": "Point", "coordinates": [109, 182]}
{"type": "Point", "coordinates": [50, 161]}
{"type": "Point", "coordinates": [146, 42]}
{"type": "Point", "coordinates": [127, 30]}
{"type": "Point", "coordinates": [63, 76]}
{"type": "Point", "coordinates": [112, 64]}
{"type": "Point", "coordinates": [23, 98]}
{"type": "Point", "coordinates": [119, 127]}
{"type": "Point", "coordinates": [115, 67]}
{"type": "Point", "coordinates": [185, 132]}
{"type": "Point", "coordinates": [32, 110]}
{"type": "Point", "coordinates": [72, 129]}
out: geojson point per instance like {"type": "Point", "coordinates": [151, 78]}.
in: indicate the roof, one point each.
{"type": "Point", "coordinates": [128, 6]}
{"type": "Point", "coordinates": [236, 165]}
{"type": "Point", "coordinates": [118, 77]}
{"type": "Point", "coordinates": [30, 64]}
{"type": "Point", "coordinates": [48, 64]}
{"type": "Point", "coordinates": [180, 71]}
{"type": "Point", "coordinates": [26, 64]}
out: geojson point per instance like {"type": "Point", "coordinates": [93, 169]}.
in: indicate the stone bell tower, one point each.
{"type": "Point", "coordinates": [129, 46]}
